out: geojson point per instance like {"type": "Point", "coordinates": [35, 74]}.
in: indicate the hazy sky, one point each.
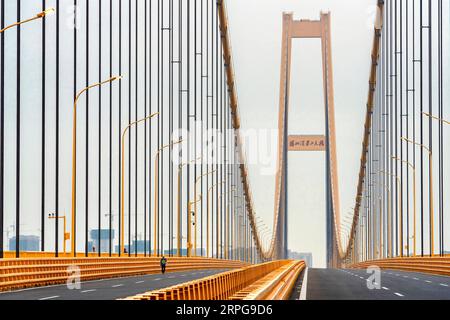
{"type": "Point", "coordinates": [256, 40]}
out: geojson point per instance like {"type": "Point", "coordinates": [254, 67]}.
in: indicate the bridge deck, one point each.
{"type": "Point", "coordinates": [108, 289]}
{"type": "Point", "coordinates": [351, 284]}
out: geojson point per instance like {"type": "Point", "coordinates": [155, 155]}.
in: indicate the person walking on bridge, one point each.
{"type": "Point", "coordinates": [163, 263]}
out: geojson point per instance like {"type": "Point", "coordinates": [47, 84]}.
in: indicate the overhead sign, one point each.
{"type": "Point", "coordinates": [306, 143]}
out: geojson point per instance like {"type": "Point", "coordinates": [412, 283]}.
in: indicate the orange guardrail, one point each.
{"type": "Point", "coordinates": [277, 285]}
{"type": "Point", "coordinates": [435, 265]}
{"type": "Point", "coordinates": [32, 272]}
{"type": "Point", "coordinates": [216, 287]}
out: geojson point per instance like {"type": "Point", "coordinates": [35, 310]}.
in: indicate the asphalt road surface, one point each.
{"type": "Point", "coordinates": [352, 284]}
{"type": "Point", "coordinates": [108, 289]}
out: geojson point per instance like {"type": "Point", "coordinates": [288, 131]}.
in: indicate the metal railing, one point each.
{"type": "Point", "coordinates": [216, 287]}
{"type": "Point", "coordinates": [277, 285]}
{"type": "Point", "coordinates": [32, 272]}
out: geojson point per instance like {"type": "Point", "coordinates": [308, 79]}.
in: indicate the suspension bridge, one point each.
{"type": "Point", "coordinates": [121, 142]}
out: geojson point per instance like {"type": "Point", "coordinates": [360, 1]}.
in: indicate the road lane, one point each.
{"type": "Point", "coordinates": [343, 284]}
{"type": "Point", "coordinates": [108, 289]}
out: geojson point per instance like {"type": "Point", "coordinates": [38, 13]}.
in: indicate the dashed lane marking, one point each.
{"type": "Point", "coordinates": [90, 290]}
{"type": "Point", "coordinates": [48, 298]}
{"type": "Point", "coordinates": [304, 286]}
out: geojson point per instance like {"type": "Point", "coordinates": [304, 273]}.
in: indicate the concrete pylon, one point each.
{"type": "Point", "coordinates": [294, 29]}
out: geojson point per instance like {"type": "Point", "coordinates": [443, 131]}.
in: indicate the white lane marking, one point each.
{"type": "Point", "coordinates": [86, 291]}
{"type": "Point", "coordinates": [157, 279]}
{"type": "Point", "coordinates": [427, 281]}
{"type": "Point", "coordinates": [171, 277]}
{"type": "Point", "coordinates": [48, 298]}
{"type": "Point", "coordinates": [397, 275]}
{"type": "Point", "coordinates": [443, 284]}
{"type": "Point", "coordinates": [416, 278]}
{"type": "Point", "coordinates": [384, 288]}
{"type": "Point", "coordinates": [117, 285]}
{"type": "Point", "coordinates": [361, 277]}
{"type": "Point", "coordinates": [398, 294]}
{"type": "Point", "coordinates": [140, 281]}
{"type": "Point", "coordinates": [304, 285]}
{"type": "Point", "coordinates": [405, 277]}
{"type": "Point", "coordinates": [55, 285]}
{"type": "Point", "coordinates": [60, 285]}
{"type": "Point", "coordinates": [182, 275]}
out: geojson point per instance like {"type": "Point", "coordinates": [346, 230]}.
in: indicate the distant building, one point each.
{"type": "Point", "coordinates": [140, 245]}
{"type": "Point", "coordinates": [104, 240]}
{"type": "Point", "coordinates": [307, 256]}
{"type": "Point", "coordinates": [26, 243]}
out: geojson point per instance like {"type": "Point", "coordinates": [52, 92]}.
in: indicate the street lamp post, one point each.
{"type": "Point", "coordinates": [380, 232]}
{"type": "Point", "coordinates": [414, 204]}
{"type": "Point", "coordinates": [345, 229]}
{"type": "Point", "coordinates": [362, 251]}
{"type": "Point", "coordinates": [430, 163]}
{"type": "Point", "coordinates": [435, 118]}
{"type": "Point", "coordinates": [74, 152]}
{"type": "Point", "coordinates": [388, 219]}
{"type": "Point", "coordinates": [66, 234]}
{"type": "Point", "coordinates": [189, 237]}
{"type": "Point", "coordinates": [157, 193]}
{"type": "Point", "coordinates": [441, 120]}
{"type": "Point", "coordinates": [266, 232]}
{"type": "Point", "coordinates": [229, 236]}
{"type": "Point", "coordinates": [226, 218]}
{"type": "Point", "coordinates": [180, 168]}
{"type": "Point", "coordinates": [238, 209]}
{"type": "Point", "coordinates": [40, 15]}
{"type": "Point", "coordinates": [241, 237]}
{"type": "Point", "coordinates": [195, 208]}
{"type": "Point", "coordinates": [122, 186]}
{"type": "Point", "coordinates": [244, 238]}
{"type": "Point", "coordinates": [401, 208]}
{"type": "Point", "coordinates": [208, 215]}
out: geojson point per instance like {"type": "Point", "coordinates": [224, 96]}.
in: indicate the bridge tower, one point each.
{"type": "Point", "coordinates": [294, 29]}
